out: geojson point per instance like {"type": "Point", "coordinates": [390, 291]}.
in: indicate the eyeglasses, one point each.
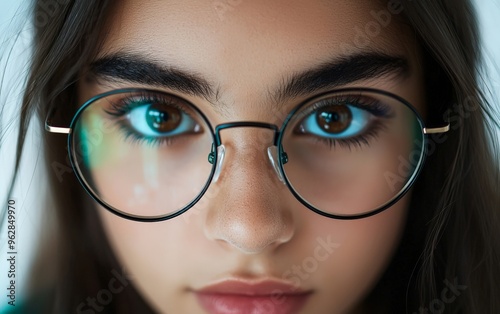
{"type": "Point", "coordinates": [148, 155]}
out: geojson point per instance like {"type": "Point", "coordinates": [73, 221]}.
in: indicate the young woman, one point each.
{"type": "Point", "coordinates": [266, 157]}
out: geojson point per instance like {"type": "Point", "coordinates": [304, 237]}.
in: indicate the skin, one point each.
{"type": "Point", "coordinates": [249, 225]}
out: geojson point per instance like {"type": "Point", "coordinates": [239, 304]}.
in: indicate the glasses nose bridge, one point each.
{"type": "Point", "coordinates": [245, 124]}
{"type": "Point", "coordinates": [219, 149]}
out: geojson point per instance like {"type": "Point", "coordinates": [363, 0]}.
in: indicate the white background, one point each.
{"type": "Point", "coordinates": [13, 15]}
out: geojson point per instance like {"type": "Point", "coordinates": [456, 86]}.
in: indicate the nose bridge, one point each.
{"type": "Point", "coordinates": [248, 212]}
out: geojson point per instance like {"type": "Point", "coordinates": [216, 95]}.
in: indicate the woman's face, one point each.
{"type": "Point", "coordinates": [249, 246]}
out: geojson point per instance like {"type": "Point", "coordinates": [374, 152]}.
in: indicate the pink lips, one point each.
{"type": "Point", "coordinates": [246, 297]}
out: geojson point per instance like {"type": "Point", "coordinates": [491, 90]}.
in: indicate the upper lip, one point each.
{"type": "Point", "coordinates": [251, 287]}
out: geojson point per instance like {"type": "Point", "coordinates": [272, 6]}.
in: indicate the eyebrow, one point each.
{"type": "Point", "coordinates": [140, 70]}
{"type": "Point", "coordinates": [341, 71]}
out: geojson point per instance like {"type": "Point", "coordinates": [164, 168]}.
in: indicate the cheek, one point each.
{"type": "Point", "coordinates": [363, 250]}
{"type": "Point", "coordinates": [152, 253]}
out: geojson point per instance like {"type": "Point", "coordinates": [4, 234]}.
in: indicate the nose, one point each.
{"type": "Point", "coordinates": [248, 213]}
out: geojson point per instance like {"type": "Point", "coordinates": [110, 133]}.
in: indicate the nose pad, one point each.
{"type": "Point", "coordinates": [221, 152]}
{"type": "Point", "coordinates": [272, 153]}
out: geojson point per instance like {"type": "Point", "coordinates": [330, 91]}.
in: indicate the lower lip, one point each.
{"type": "Point", "coordinates": [218, 303]}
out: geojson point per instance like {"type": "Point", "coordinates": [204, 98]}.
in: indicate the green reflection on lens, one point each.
{"type": "Point", "coordinates": [91, 138]}
{"type": "Point", "coordinates": [83, 139]}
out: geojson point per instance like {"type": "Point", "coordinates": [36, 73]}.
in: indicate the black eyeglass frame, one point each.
{"type": "Point", "coordinates": [217, 141]}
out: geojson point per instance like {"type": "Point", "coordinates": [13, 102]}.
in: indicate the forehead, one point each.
{"type": "Point", "coordinates": [245, 48]}
{"type": "Point", "coordinates": [243, 31]}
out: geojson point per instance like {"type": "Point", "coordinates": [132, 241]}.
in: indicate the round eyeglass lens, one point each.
{"type": "Point", "coordinates": [142, 153]}
{"type": "Point", "coordinates": [351, 153]}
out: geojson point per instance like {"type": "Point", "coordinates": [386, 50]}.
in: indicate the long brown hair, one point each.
{"type": "Point", "coordinates": [452, 238]}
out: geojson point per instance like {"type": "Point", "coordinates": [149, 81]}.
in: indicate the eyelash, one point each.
{"type": "Point", "coordinates": [125, 105]}
{"type": "Point", "coordinates": [358, 141]}
{"type": "Point", "coordinates": [371, 105]}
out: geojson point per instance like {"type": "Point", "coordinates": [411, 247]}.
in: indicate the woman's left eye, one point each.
{"type": "Point", "coordinates": [159, 120]}
{"type": "Point", "coordinates": [336, 121]}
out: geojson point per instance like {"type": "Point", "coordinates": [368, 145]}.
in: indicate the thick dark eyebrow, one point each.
{"type": "Point", "coordinates": [339, 72]}
{"type": "Point", "coordinates": [135, 69]}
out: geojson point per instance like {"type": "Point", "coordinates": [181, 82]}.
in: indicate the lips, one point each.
{"type": "Point", "coordinates": [250, 297]}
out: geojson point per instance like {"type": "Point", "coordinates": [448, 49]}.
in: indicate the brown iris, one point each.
{"type": "Point", "coordinates": [334, 119]}
{"type": "Point", "coordinates": [163, 118]}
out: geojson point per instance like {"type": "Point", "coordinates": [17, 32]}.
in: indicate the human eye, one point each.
{"type": "Point", "coordinates": [153, 118]}
{"type": "Point", "coordinates": [343, 120]}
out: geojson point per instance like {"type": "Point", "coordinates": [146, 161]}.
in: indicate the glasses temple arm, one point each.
{"type": "Point", "coordinates": [442, 129]}
{"type": "Point", "coordinates": [55, 129]}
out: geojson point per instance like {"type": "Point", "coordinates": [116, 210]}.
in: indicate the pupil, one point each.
{"type": "Point", "coordinates": [334, 119]}
{"type": "Point", "coordinates": [163, 119]}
